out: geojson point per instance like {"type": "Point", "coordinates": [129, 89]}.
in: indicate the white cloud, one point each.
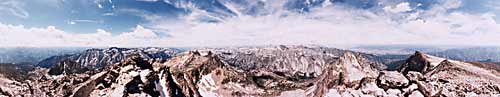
{"type": "Point", "coordinates": [13, 7]}
{"type": "Point", "coordinates": [86, 21]}
{"type": "Point", "coordinates": [100, 2]}
{"type": "Point", "coordinates": [14, 36]}
{"type": "Point", "coordinates": [401, 7]}
{"type": "Point", "coordinates": [494, 4]}
{"type": "Point", "coordinates": [148, 0]}
{"type": "Point", "coordinates": [444, 7]}
{"type": "Point", "coordinates": [336, 25]}
{"type": "Point", "coordinates": [99, 5]}
{"type": "Point", "coordinates": [108, 14]}
{"type": "Point", "coordinates": [325, 26]}
{"type": "Point", "coordinates": [139, 32]}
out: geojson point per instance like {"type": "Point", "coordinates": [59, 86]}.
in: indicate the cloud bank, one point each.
{"type": "Point", "coordinates": [391, 23]}
{"type": "Point", "coordinates": [19, 36]}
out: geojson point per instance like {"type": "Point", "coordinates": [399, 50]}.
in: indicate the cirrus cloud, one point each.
{"type": "Point", "coordinates": [14, 8]}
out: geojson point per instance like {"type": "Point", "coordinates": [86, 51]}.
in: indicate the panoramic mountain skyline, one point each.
{"type": "Point", "coordinates": [139, 23]}
{"type": "Point", "coordinates": [249, 48]}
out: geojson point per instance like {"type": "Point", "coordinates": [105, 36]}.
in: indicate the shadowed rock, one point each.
{"type": "Point", "coordinates": [417, 62]}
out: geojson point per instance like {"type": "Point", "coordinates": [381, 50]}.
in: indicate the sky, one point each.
{"type": "Point", "coordinates": [192, 23]}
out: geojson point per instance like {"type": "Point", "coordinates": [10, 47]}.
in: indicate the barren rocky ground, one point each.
{"type": "Point", "coordinates": [277, 71]}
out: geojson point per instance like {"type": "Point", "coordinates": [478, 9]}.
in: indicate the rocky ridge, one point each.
{"type": "Point", "coordinates": [280, 71]}
{"type": "Point", "coordinates": [93, 59]}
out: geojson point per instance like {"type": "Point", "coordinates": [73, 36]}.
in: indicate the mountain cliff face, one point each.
{"type": "Point", "coordinates": [280, 71]}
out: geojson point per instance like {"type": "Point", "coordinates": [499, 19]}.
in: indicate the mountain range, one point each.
{"type": "Point", "coordinates": [280, 71]}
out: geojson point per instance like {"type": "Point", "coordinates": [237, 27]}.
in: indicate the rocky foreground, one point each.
{"type": "Point", "coordinates": [282, 71]}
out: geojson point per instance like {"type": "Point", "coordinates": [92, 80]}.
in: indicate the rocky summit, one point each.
{"type": "Point", "coordinates": [277, 71]}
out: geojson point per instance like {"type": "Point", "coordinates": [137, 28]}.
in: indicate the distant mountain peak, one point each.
{"type": "Point", "coordinates": [418, 62]}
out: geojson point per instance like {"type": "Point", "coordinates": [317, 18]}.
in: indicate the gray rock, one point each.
{"type": "Point", "coordinates": [392, 79]}
{"type": "Point", "coordinates": [418, 62]}
{"type": "Point", "coordinates": [409, 89]}
{"type": "Point", "coordinates": [394, 93]}
{"type": "Point", "coordinates": [369, 87]}
{"type": "Point", "coordinates": [430, 89]}
{"type": "Point", "coordinates": [414, 76]}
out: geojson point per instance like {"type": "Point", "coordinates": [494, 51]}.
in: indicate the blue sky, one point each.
{"type": "Point", "coordinates": [83, 16]}
{"type": "Point", "coordinates": [247, 22]}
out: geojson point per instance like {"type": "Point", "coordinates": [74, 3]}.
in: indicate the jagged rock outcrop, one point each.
{"type": "Point", "coordinates": [419, 62]}
{"type": "Point", "coordinates": [281, 71]}
{"type": "Point", "coordinates": [354, 69]}
{"type": "Point", "coordinates": [134, 77]}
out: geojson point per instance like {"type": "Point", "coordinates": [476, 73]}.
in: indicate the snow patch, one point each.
{"type": "Point", "coordinates": [207, 86]}
{"type": "Point", "coordinates": [161, 85]}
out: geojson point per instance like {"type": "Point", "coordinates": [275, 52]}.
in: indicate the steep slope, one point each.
{"type": "Point", "coordinates": [451, 78]}
{"type": "Point", "coordinates": [15, 71]}
{"type": "Point", "coordinates": [461, 78]}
